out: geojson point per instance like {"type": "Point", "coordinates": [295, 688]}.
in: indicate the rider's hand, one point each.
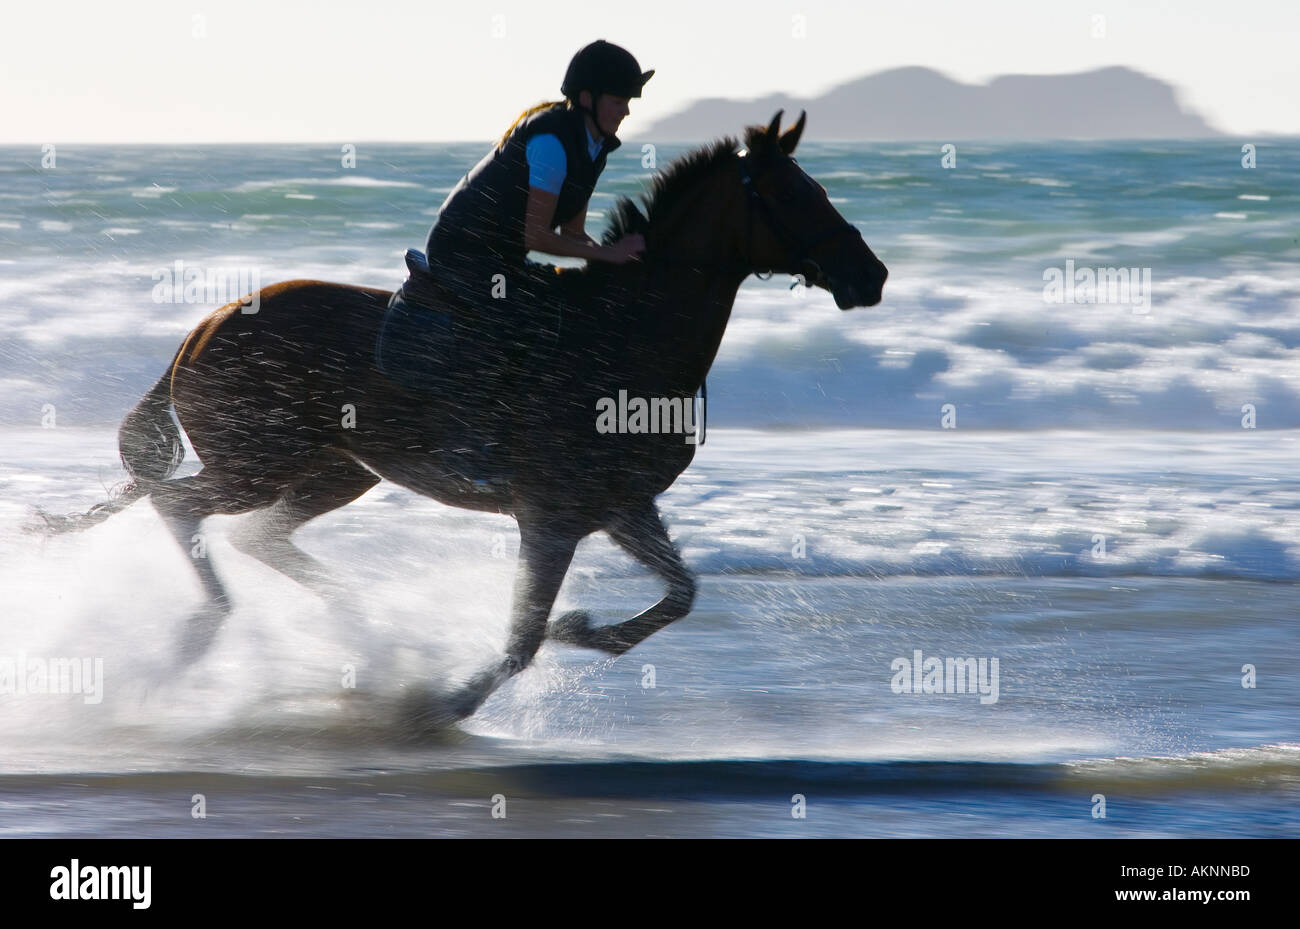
{"type": "Point", "coordinates": [626, 248]}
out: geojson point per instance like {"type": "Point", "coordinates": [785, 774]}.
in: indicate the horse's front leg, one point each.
{"type": "Point", "coordinates": [545, 551]}
{"type": "Point", "coordinates": [640, 531]}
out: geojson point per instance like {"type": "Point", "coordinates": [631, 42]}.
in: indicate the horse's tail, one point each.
{"type": "Point", "coordinates": [149, 439]}
{"type": "Point", "coordinates": [149, 442]}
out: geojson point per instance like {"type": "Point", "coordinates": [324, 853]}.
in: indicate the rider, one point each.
{"type": "Point", "coordinates": [539, 177]}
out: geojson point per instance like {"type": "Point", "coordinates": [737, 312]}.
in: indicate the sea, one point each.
{"type": "Point", "coordinates": [1014, 553]}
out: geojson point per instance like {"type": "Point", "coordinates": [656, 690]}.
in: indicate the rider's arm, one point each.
{"type": "Point", "coordinates": [576, 228]}
{"type": "Point", "coordinates": [546, 170]}
{"type": "Point", "coordinates": [541, 206]}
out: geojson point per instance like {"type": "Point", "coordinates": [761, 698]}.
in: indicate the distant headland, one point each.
{"type": "Point", "coordinates": [920, 103]}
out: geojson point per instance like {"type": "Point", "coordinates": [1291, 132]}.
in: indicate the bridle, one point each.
{"type": "Point", "coordinates": [755, 202]}
{"type": "Point", "coordinates": [809, 270]}
{"type": "Point", "coordinates": [788, 236]}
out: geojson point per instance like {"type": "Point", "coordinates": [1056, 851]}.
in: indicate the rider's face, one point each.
{"type": "Point", "coordinates": [610, 111]}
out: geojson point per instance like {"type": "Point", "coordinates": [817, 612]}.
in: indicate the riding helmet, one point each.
{"type": "Point", "coordinates": [604, 68]}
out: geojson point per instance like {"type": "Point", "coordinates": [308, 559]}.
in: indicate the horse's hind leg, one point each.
{"type": "Point", "coordinates": [335, 481]}
{"type": "Point", "coordinates": [640, 531]}
{"type": "Point", "coordinates": [184, 504]}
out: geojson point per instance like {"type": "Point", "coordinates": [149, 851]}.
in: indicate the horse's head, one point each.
{"type": "Point", "coordinates": [789, 224]}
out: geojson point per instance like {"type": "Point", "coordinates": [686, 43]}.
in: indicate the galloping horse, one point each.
{"type": "Point", "coordinates": [286, 406]}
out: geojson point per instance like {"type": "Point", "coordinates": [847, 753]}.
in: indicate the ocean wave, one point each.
{"type": "Point", "coordinates": [346, 181]}
{"type": "Point", "coordinates": [1255, 769]}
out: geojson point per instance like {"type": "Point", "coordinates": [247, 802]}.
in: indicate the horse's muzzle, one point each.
{"type": "Point", "coordinates": [848, 295]}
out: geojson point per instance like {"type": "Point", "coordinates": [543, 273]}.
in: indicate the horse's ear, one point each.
{"type": "Point", "coordinates": [790, 138]}
{"type": "Point", "coordinates": [774, 127]}
{"type": "Point", "coordinates": [759, 139]}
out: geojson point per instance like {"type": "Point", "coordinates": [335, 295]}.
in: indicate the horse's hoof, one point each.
{"type": "Point", "coordinates": [427, 712]}
{"type": "Point", "coordinates": [573, 628]}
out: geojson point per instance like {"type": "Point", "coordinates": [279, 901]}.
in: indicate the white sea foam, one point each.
{"type": "Point", "coordinates": [345, 181]}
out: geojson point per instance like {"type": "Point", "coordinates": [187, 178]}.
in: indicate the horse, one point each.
{"type": "Point", "coordinates": [291, 417]}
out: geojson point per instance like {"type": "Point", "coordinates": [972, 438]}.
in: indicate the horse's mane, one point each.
{"type": "Point", "coordinates": [667, 190]}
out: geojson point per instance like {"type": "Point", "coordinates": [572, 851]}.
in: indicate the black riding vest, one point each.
{"type": "Point", "coordinates": [484, 214]}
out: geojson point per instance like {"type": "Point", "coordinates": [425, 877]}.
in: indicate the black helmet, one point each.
{"type": "Point", "coordinates": [604, 68]}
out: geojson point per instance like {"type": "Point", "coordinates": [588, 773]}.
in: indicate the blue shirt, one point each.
{"type": "Point", "coordinates": [546, 161]}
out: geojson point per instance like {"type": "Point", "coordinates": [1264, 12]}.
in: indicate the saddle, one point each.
{"type": "Point", "coordinates": [414, 347]}
{"type": "Point", "coordinates": [421, 287]}
{"type": "Point", "coordinates": [420, 348]}
{"type": "Point", "coordinates": [417, 348]}
{"type": "Point", "coordinates": [431, 328]}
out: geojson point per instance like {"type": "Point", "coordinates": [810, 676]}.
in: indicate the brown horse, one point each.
{"type": "Point", "coordinates": [290, 415]}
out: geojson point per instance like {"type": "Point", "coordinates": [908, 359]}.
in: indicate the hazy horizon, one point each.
{"type": "Point", "coordinates": [298, 72]}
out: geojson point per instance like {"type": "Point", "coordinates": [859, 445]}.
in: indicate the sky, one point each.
{"type": "Point", "coordinates": [172, 71]}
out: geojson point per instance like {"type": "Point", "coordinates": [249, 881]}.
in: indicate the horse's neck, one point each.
{"type": "Point", "coordinates": [719, 299]}
{"type": "Point", "coordinates": [703, 294]}
{"type": "Point", "coordinates": [704, 297]}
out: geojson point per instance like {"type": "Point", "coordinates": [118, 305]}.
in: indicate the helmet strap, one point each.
{"type": "Point", "coordinates": [591, 111]}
